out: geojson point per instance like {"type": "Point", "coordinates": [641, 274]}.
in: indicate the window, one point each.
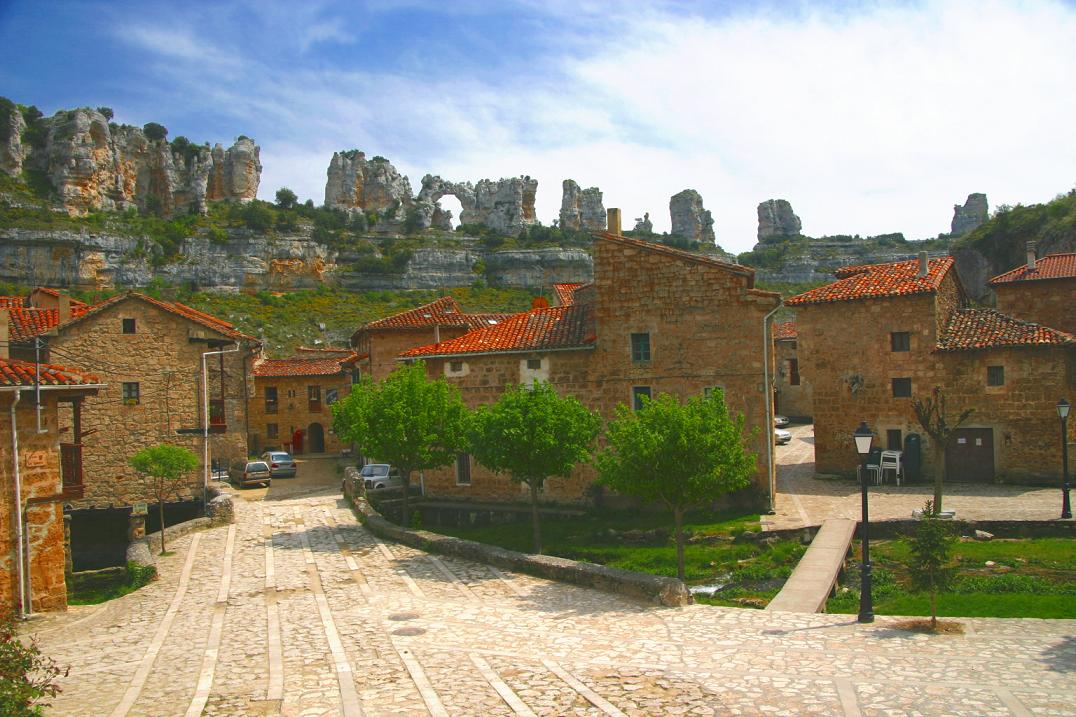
{"type": "Point", "coordinates": [637, 393]}
{"type": "Point", "coordinates": [216, 412]}
{"type": "Point", "coordinates": [272, 430]}
{"type": "Point", "coordinates": [900, 341]}
{"type": "Point", "coordinates": [463, 469]}
{"type": "Point", "coordinates": [902, 388]}
{"type": "Point", "coordinates": [332, 395]}
{"type": "Point", "coordinates": [995, 375]}
{"type": "Point", "coordinates": [128, 326]}
{"type": "Point", "coordinates": [130, 393]}
{"type": "Point", "coordinates": [534, 364]}
{"type": "Point", "coordinates": [356, 375]}
{"type": "Point", "coordinates": [313, 399]}
{"type": "Point", "coordinates": [640, 348]}
{"type": "Point", "coordinates": [709, 391]}
{"type": "Point", "coordinates": [455, 366]}
{"type": "Point", "coordinates": [893, 440]}
{"type": "Point", "coordinates": [793, 372]}
{"type": "Point", "coordinates": [270, 399]}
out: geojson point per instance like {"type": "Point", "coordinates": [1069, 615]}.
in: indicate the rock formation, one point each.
{"type": "Point", "coordinates": [966, 218]}
{"type": "Point", "coordinates": [644, 225]}
{"type": "Point", "coordinates": [355, 183]}
{"type": "Point", "coordinates": [581, 209]}
{"type": "Point", "coordinates": [507, 205]}
{"type": "Point", "coordinates": [429, 207]}
{"type": "Point", "coordinates": [689, 219]}
{"type": "Point", "coordinates": [776, 218]}
{"type": "Point", "coordinates": [12, 150]}
{"type": "Point", "coordinates": [94, 165]}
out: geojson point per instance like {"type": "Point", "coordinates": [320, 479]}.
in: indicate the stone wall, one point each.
{"type": "Point", "coordinates": [293, 411]}
{"type": "Point", "coordinates": [1050, 302]}
{"type": "Point", "coordinates": [39, 468]}
{"type": "Point", "coordinates": [793, 400]}
{"type": "Point", "coordinates": [166, 364]}
{"type": "Point", "coordinates": [385, 346]}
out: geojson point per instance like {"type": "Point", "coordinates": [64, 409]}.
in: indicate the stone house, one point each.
{"type": "Point", "coordinates": [293, 396]}
{"type": "Point", "coordinates": [884, 335]}
{"type": "Point", "coordinates": [1042, 290]}
{"type": "Point", "coordinates": [792, 392]}
{"type": "Point", "coordinates": [44, 465]}
{"type": "Point", "coordinates": [654, 320]}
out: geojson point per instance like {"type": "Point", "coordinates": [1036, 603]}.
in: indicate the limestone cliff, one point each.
{"type": "Point", "coordinates": [367, 185]}
{"type": "Point", "coordinates": [581, 209]}
{"type": "Point", "coordinates": [974, 213]}
{"type": "Point", "coordinates": [690, 219]}
{"type": "Point", "coordinates": [776, 218]}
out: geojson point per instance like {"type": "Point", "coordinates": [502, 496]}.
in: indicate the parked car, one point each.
{"type": "Point", "coordinates": [281, 464]}
{"type": "Point", "coordinates": [376, 476]}
{"type": "Point", "coordinates": [780, 421]}
{"type": "Point", "coordinates": [781, 436]}
{"type": "Point", "coordinates": [249, 472]}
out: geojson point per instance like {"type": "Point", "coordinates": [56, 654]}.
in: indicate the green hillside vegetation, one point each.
{"type": "Point", "coordinates": [773, 252]}
{"type": "Point", "coordinates": [1002, 239]}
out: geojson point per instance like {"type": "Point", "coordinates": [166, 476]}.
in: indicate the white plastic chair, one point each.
{"type": "Point", "coordinates": [891, 461]}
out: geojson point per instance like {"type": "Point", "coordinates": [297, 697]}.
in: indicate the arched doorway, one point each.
{"type": "Point", "coordinates": [315, 437]}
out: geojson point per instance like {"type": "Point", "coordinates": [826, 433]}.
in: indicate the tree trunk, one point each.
{"type": "Point", "coordinates": [678, 520]}
{"type": "Point", "coordinates": [405, 517]}
{"type": "Point", "coordinates": [160, 506]}
{"type": "Point", "coordinates": [536, 526]}
{"type": "Point", "coordinates": [933, 606]}
{"type": "Point", "coordinates": [939, 475]}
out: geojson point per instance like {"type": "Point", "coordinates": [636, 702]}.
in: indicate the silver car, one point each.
{"type": "Point", "coordinates": [376, 476]}
{"type": "Point", "coordinates": [781, 436]}
{"type": "Point", "coordinates": [244, 473]}
{"type": "Point", "coordinates": [281, 464]}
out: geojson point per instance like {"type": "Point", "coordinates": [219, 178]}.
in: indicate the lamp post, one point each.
{"type": "Point", "coordinates": [864, 438]}
{"type": "Point", "coordinates": [1063, 412]}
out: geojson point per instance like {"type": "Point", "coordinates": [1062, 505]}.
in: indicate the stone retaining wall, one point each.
{"type": "Point", "coordinates": [653, 588]}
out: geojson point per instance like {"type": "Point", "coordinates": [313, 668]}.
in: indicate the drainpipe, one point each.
{"type": "Point", "coordinates": [205, 424]}
{"type": "Point", "coordinates": [20, 564]}
{"type": "Point", "coordinates": [771, 473]}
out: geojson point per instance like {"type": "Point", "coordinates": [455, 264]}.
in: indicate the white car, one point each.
{"type": "Point", "coordinates": [781, 436]}
{"type": "Point", "coordinates": [376, 476]}
{"type": "Point", "coordinates": [780, 421]}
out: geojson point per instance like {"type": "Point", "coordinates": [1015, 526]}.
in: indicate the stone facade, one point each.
{"type": "Point", "coordinates": [1050, 302]}
{"type": "Point", "coordinates": [272, 427]}
{"type": "Point", "coordinates": [793, 395]}
{"type": "Point", "coordinates": [163, 356]}
{"type": "Point", "coordinates": [704, 321]}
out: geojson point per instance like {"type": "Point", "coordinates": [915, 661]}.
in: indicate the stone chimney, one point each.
{"type": "Point", "coordinates": [614, 221]}
{"type": "Point", "coordinates": [924, 266]}
{"type": "Point", "coordinates": [5, 335]}
{"type": "Point", "coordinates": [64, 307]}
{"type": "Point", "coordinates": [1031, 256]}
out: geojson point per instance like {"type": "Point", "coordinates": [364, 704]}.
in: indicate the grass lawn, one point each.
{"type": "Point", "coordinates": [1028, 578]}
{"type": "Point", "coordinates": [751, 572]}
{"type": "Point", "coordinates": [98, 589]}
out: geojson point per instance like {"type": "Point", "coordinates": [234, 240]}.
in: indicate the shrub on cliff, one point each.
{"type": "Point", "coordinates": [286, 199]}
{"type": "Point", "coordinates": [154, 131]}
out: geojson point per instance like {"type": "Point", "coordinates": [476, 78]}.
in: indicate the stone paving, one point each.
{"type": "Point", "coordinates": [803, 499]}
{"type": "Point", "coordinates": [298, 610]}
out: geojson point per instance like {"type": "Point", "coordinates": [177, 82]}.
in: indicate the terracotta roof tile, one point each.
{"type": "Point", "coordinates": [971, 329]}
{"type": "Point", "coordinates": [565, 293]}
{"type": "Point", "coordinates": [784, 331]}
{"type": "Point", "coordinates": [22, 373]}
{"type": "Point", "coordinates": [443, 312]}
{"type": "Point", "coordinates": [8, 302]}
{"type": "Point", "coordinates": [1051, 266]}
{"type": "Point", "coordinates": [557, 327]}
{"type": "Point", "coordinates": [198, 317]}
{"type": "Point", "coordinates": [304, 366]}
{"type": "Point", "coordinates": [56, 293]}
{"type": "Point", "coordinates": [24, 323]}
{"type": "Point", "coordinates": [875, 281]}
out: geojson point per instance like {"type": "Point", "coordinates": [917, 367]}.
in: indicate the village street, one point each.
{"type": "Point", "coordinates": [298, 610]}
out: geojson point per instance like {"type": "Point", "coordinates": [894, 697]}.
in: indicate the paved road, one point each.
{"type": "Point", "coordinates": [803, 499]}
{"type": "Point", "coordinates": [298, 610]}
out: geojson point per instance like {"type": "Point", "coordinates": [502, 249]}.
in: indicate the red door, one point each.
{"type": "Point", "coordinates": [297, 441]}
{"type": "Point", "coordinates": [970, 458]}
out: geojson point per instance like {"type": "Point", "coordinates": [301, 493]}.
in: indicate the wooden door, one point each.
{"type": "Point", "coordinates": [970, 458]}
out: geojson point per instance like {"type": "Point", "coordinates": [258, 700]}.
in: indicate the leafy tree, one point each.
{"type": "Point", "coordinates": [532, 434]}
{"type": "Point", "coordinates": [683, 455]}
{"type": "Point", "coordinates": [107, 112]}
{"type": "Point", "coordinates": [27, 677]}
{"type": "Point", "coordinates": [162, 469]}
{"type": "Point", "coordinates": [933, 417]}
{"type": "Point", "coordinates": [154, 131]}
{"type": "Point", "coordinates": [286, 199]}
{"type": "Point", "coordinates": [931, 548]}
{"type": "Point", "coordinates": [406, 420]}
{"type": "Point", "coordinates": [258, 216]}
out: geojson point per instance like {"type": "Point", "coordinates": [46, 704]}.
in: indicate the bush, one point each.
{"type": "Point", "coordinates": [154, 131]}
{"type": "Point", "coordinates": [27, 678]}
{"type": "Point", "coordinates": [107, 112]}
{"type": "Point", "coordinates": [258, 216]}
{"type": "Point", "coordinates": [285, 198]}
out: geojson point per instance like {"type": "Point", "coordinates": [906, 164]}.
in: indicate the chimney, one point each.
{"type": "Point", "coordinates": [5, 317]}
{"type": "Point", "coordinates": [614, 221]}
{"type": "Point", "coordinates": [1031, 256]}
{"type": "Point", "coordinates": [65, 308]}
{"type": "Point", "coordinates": [924, 266]}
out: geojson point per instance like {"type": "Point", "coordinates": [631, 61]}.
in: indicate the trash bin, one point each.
{"type": "Point", "coordinates": [913, 458]}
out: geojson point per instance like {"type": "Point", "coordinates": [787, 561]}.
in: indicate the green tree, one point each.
{"type": "Point", "coordinates": [532, 434]}
{"type": "Point", "coordinates": [107, 112]}
{"type": "Point", "coordinates": [406, 420]}
{"type": "Point", "coordinates": [285, 198]}
{"type": "Point", "coordinates": [682, 455]}
{"type": "Point", "coordinates": [933, 417]}
{"type": "Point", "coordinates": [162, 470]}
{"type": "Point", "coordinates": [27, 677]}
{"type": "Point", "coordinates": [154, 131]}
{"type": "Point", "coordinates": [258, 216]}
{"type": "Point", "coordinates": [930, 569]}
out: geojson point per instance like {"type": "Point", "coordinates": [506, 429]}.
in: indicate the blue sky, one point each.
{"type": "Point", "coordinates": [869, 117]}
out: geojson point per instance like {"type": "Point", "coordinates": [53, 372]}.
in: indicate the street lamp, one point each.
{"type": "Point", "coordinates": [864, 438]}
{"type": "Point", "coordinates": [1063, 411]}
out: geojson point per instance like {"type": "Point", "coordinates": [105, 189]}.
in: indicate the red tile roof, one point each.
{"type": "Point", "coordinates": [970, 329]}
{"type": "Point", "coordinates": [875, 281]}
{"type": "Point", "coordinates": [56, 293]}
{"type": "Point", "coordinates": [784, 331]}
{"type": "Point", "coordinates": [7, 302]}
{"type": "Point", "coordinates": [322, 350]}
{"type": "Point", "coordinates": [678, 253]}
{"type": "Point", "coordinates": [21, 373]}
{"type": "Point", "coordinates": [1051, 266]}
{"type": "Point", "coordinates": [557, 327]}
{"type": "Point", "coordinates": [198, 317]}
{"type": "Point", "coordinates": [565, 293]}
{"type": "Point", "coordinates": [24, 323]}
{"type": "Point", "coordinates": [305, 366]}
